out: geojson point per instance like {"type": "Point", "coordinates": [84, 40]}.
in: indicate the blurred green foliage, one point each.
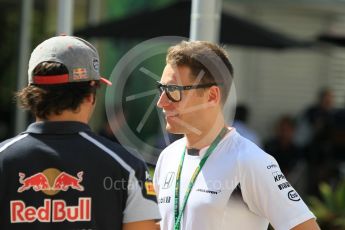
{"type": "Point", "coordinates": [330, 209]}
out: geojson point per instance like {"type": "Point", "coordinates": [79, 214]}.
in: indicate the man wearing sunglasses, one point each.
{"type": "Point", "coordinates": [213, 178]}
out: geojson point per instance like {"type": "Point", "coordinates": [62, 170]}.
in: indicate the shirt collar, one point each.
{"type": "Point", "coordinates": [57, 127]}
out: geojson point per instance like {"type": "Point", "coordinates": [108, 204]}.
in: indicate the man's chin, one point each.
{"type": "Point", "coordinates": [172, 129]}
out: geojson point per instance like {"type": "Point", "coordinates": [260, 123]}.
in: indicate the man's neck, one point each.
{"type": "Point", "coordinates": [207, 136]}
{"type": "Point", "coordinates": [66, 116]}
{"type": "Point", "coordinates": [81, 114]}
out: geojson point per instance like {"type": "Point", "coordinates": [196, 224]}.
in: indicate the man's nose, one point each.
{"type": "Point", "coordinates": [163, 100]}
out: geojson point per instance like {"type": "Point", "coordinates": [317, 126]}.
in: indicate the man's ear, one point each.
{"type": "Point", "coordinates": [214, 95]}
{"type": "Point", "coordinates": [91, 98]}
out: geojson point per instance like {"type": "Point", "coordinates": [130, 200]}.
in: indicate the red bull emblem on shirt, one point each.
{"type": "Point", "coordinates": [51, 181]}
{"type": "Point", "coordinates": [39, 182]}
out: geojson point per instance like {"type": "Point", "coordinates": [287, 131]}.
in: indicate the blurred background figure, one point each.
{"type": "Point", "coordinates": [282, 146]}
{"type": "Point", "coordinates": [338, 140]}
{"type": "Point", "coordinates": [315, 135]}
{"type": "Point", "coordinates": [316, 121]}
{"type": "Point", "coordinates": [289, 155]}
{"type": "Point", "coordinates": [241, 121]}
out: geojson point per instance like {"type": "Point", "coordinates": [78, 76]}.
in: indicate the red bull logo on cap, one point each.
{"type": "Point", "coordinates": [79, 74]}
{"type": "Point", "coordinates": [51, 181]}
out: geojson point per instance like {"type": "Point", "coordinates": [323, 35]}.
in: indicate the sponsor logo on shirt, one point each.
{"type": "Point", "coordinates": [165, 199]}
{"type": "Point", "coordinates": [284, 185]}
{"type": "Point", "coordinates": [149, 188]}
{"type": "Point", "coordinates": [51, 211]}
{"type": "Point", "coordinates": [149, 185]}
{"type": "Point", "coordinates": [271, 166]}
{"type": "Point", "coordinates": [50, 182]}
{"type": "Point", "coordinates": [277, 175]}
{"type": "Point", "coordinates": [169, 178]}
{"type": "Point", "coordinates": [208, 191]}
{"type": "Point", "coordinates": [293, 195]}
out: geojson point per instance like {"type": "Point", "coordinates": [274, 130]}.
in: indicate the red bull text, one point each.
{"type": "Point", "coordinates": [51, 211]}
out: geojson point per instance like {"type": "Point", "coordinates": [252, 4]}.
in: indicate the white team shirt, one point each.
{"type": "Point", "coordinates": [239, 187]}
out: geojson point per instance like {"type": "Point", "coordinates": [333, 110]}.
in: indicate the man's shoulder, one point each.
{"type": "Point", "coordinates": [120, 153]}
{"type": "Point", "coordinates": [249, 154]}
{"type": "Point", "coordinates": [5, 142]}
{"type": "Point", "coordinates": [12, 145]}
{"type": "Point", "coordinates": [101, 141]}
{"type": "Point", "coordinates": [11, 141]}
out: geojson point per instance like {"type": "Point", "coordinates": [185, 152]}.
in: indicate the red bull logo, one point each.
{"type": "Point", "coordinates": [51, 211]}
{"type": "Point", "coordinates": [79, 74]}
{"type": "Point", "coordinates": [40, 181]}
{"type": "Point", "coordinates": [51, 181]}
{"type": "Point", "coordinates": [64, 181]}
{"type": "Point", "coordinates": [37, 182]}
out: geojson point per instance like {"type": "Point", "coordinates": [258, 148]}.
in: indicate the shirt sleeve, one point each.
{"type": "Point", "coordinates": [268, 194]}
{"type": "Point", "coordinates": [141, 201]}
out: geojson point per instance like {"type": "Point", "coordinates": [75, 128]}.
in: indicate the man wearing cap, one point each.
{"type": "Point", "coordinates": [58, 174]}
{"type": "Point", "coordinates": [214, 178]}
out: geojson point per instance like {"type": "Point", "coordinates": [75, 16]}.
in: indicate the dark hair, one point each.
{"type": "Point", "coordinates": [207, 57]}
{"type": "Point", "coordinates": [44, 100]}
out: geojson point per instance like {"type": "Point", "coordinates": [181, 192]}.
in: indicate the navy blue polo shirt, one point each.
{"type": "Point", "coordinates": [60, 175]}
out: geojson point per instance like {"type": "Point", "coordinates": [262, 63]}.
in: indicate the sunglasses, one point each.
{"type": "Point", "coordinates": [174, 92]}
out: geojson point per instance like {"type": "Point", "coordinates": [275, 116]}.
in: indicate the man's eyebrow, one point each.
{"type": "Point", "coordinates": [167, 83]}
